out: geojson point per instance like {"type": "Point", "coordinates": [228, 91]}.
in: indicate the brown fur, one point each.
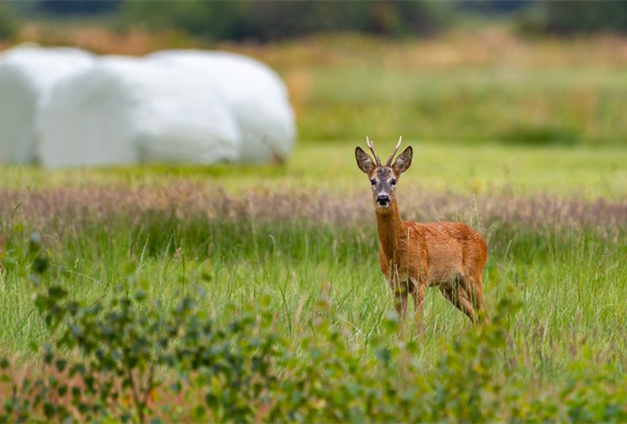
{"type": "Point", "coordinates": [414, 256]}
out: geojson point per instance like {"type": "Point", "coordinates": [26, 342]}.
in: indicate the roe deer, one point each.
{"type": "Point", "coordinates": [414, 256]}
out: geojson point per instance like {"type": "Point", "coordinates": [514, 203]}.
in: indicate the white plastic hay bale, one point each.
{"type": "Point", "coordinates": [127, 110]}
{"type": "Point", "coordinates": [28, 72]}
{"type": "Point", "coordinates": [256, 94]}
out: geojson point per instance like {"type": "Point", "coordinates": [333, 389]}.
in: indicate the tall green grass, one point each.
{"type": "Point", "coordinates": [568, 277]}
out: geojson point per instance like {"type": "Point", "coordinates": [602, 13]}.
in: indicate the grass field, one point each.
{"type": "Point", "coordinates": [492, 169]}
{"type": "Point", "coordinates": [532, 157]}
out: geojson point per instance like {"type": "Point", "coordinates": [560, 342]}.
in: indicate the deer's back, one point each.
{"type": "Point", "coordinates": [446, 250]}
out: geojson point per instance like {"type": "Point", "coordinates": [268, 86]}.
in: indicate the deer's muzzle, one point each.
{"type": "Point", "coordinates": [383, 200]}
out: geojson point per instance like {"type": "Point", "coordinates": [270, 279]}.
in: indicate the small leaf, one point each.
{"type": "Point", "coordinates": [199, 413]}
{"type": "Point", "coordinates": [62, 390]}
{"type": "Point", "coordinates": [61, 364]}
{"type": "Point", "coordinates": [383, 354]}
{"type": "Point", "coordinates": [140, 295]}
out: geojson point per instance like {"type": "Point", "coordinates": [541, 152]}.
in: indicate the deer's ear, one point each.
{"type": "Point", "coordinates": [364, 162]}
{"type": "Point", "coordinates": [403, 161]}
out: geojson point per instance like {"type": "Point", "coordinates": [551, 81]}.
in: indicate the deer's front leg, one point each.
{"type": "Point", "coordinates": [400, 289]}
{"type": "Point", "coordinates": [419, 288]}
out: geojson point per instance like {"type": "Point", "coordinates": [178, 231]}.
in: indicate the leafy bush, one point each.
{"type": "Point", "coordinates": [540, 136]}
{"type": "Point", "coordinates": [104, 361]}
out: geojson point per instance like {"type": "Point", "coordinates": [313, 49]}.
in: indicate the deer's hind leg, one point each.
{"type": "Point", "coordinates": [460, 298]}
{"type": "Point", "coordinates": [475, 290]}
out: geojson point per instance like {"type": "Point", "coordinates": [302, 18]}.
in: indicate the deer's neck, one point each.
{"type": "Point", "coordinates": [389, 226]}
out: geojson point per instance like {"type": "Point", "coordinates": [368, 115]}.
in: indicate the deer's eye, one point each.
{"type": "Point", "coordinates": [373, 182]}
{"type": "Point", "coordinates": [393, 182]}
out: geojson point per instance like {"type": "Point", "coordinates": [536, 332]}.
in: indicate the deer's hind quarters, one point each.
{"type": "Point", "coordinates": [439, 250]}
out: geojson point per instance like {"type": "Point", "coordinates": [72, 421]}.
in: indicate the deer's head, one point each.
{"type": "Point", "coordinates": [383, 178]}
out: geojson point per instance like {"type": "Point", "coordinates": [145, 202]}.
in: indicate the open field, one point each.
{"type": "Point", "coordinates": [491, 169]}
{"type": "Point", "coordinates": [299, 243]}
{"type": "Point", "coordinates": [280, 262]}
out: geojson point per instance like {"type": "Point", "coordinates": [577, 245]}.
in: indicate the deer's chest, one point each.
{"type": "Point", "coordinates": [405, 259]}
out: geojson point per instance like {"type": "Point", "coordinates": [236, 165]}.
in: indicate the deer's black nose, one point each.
{"type": "Point", "coordinates": [383, 200]}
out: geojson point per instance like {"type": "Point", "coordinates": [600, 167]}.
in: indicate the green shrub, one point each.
{"type": "Point", "coordinates": [104, 360]}
{"type": "Point", "coordinates": [540, 136]}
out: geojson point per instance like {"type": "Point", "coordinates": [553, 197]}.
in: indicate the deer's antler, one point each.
{"type": "Point", "coordinates": [371, 147]}
{"type": "Point", "coordinates": [389, 162]}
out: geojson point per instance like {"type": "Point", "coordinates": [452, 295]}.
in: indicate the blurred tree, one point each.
{"type": "Point", "coordinates": [396, 18]}
{"type": "Point", "coordinates": [273, 19]}
{"type": "Point", "coordinates": [276, 19]}
{"type": "Point", "coordinates": [496, 7]}
{"type": "Point", "coordinates": [571, 17]}
{"type": "Point", "coordinates": [8, 23]}
{"type": "Point", "coordinates": [220, 20]}
{"type": "Point", "coordinates": [77, 7]}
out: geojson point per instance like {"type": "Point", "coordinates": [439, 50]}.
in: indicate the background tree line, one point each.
{"type": "Point", "coordinates": [272, 20]}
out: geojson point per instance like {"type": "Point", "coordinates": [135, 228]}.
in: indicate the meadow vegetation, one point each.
{"type": "Point", "coordinates": [185, 294]}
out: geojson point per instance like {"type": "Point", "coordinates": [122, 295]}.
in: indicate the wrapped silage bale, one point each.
{"type": "Point", "coordinates": [256, 94]}
{"type": "Point", "coordinates": [125, 110]}
{"type": "Point", "coordinates": [28, 72]}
